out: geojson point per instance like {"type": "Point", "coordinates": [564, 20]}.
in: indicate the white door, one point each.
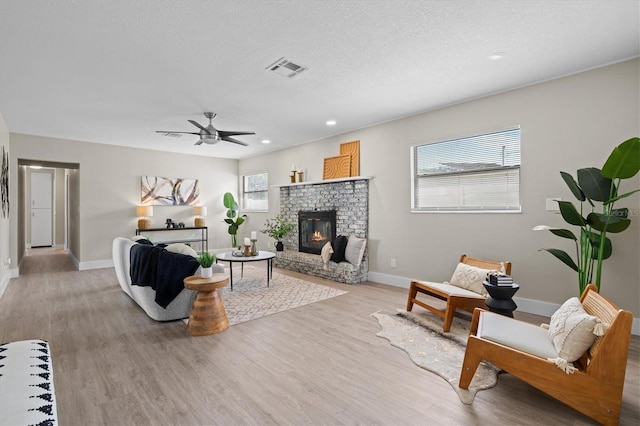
{"type": "Point", "coordinates": [41, 210]}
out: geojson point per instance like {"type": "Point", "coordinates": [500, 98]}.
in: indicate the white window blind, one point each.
{"type": "Point", "coordinates": [476, 173]}
{"type": "Point", "coordinates": [255, 192]}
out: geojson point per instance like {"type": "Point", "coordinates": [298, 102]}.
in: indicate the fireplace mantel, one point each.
{"type": "Point", "coordinates": [322, 182]}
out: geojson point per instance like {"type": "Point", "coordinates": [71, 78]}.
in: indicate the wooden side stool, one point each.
{"type": "Point", "coordinates": [208, 315]}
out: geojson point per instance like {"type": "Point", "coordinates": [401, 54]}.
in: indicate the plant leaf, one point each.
{"type": "Point", "coordinates": [564, 233]}
{"type": "Point", "coordinates": [624, 161]}
{"type": "Point", "coordinates": [602, 222]}
{"type": "Point", "coordinates": [594, 185]}
{"type": "Point", "coordinates": [563, 256]}
{"type": "Point", "coordinates": [614, 199]}
{"type": "Point", "coordinates": [570, 214]}
{"type": "Point", "coordinates": [573, 186]}
{"type": "Point", "coordinates": [228, 201]}
{"type": "Point", "coordinates": [595, 242]}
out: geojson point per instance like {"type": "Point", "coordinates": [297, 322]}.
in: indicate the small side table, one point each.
{"type": "Point", "coordinates": [207, 313]}
{"type": "Point", "coordinates": [500, 298]}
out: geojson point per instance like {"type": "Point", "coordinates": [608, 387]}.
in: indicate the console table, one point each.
{"type": "Point", "coordinates": [202, 238]}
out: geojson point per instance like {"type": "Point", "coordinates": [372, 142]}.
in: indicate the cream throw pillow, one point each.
{"type": "Point", "coordinates": [572, 331]}
{"type": "Point", "coordinates": [182, 249]}
{"type": "Point", "coordinates": [470, 278]}
{"type": "Point", "coordinates": [355, 250]}
{"type": "Point", "coordinates": [326, 253]}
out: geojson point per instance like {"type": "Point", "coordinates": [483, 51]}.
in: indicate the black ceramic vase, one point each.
{"type": "Point", "coordinates": [279, 246]}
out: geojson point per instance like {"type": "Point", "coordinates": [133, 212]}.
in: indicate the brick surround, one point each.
{"type": "Point", "coordinates": [350, 199]}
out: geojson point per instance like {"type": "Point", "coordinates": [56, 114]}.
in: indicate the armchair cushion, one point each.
{"type": "Point", "coordinates": [572, 330]}
{"type": "Point", "coordinates": [515, 334]}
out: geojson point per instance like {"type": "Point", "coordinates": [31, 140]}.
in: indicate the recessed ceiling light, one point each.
{"type": "Point", "coordinates": [266, 141]}
{"type": "Point", "coordinates": [496, 56]}
{"type": "Point", "coordinates": [331, 122]}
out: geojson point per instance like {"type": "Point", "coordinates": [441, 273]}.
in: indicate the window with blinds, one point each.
{"type": "Point", "coordinates": [255, 192]}
{"type": "Point", "coordinates": [473, 174]}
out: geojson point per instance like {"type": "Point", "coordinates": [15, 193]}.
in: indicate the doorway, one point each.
{"type": "Point", "coordinates": [48, 199]}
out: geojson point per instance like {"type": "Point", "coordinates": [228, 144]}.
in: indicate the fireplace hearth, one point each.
{"type": "Point", "coordinates": [315, 229]}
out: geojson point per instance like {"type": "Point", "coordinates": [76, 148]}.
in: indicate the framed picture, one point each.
{"type": "Point", "coordinates": [164, 191]}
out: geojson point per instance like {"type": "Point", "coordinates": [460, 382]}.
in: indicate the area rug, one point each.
{"type": "Point", "coordinates": [251, 299]}
{"type": "Point", "coordinates": [420, 335]}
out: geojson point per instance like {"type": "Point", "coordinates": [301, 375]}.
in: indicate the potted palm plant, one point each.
{"type": "Point", "coordinates": [277, 228]}
{"type": "Point", "coordinates": [599, 189]}
{"type": "Point", "coordinates": [233, 219]}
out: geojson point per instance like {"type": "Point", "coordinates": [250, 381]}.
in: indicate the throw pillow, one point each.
{"type": "Point", "coordinates": [325, 253]}
{"type": "Point", "coordinates": [572, 331]}
{"type": "Point", "coordinates": [355, 250]}
{"type": "Point", "coordinates": [339, 246]}
{"type": "Point", "coordinates": [470, 278]}
{"type": "Point", "coordinates": [141, 240]}
{"type": "Point", "coordinates": [182, 249]}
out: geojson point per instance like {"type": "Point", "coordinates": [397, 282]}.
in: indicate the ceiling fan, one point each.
{"type": "Point", "coordinates": [210, 134]}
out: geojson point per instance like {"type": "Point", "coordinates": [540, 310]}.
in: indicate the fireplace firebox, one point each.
{"type": "Point", "coordinates": [315, 229]}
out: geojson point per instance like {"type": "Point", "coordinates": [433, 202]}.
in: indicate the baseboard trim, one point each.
{"type": "Point", "coordinates": [529, 306]}
{"type": "Point", "coordinates": [95, 264]}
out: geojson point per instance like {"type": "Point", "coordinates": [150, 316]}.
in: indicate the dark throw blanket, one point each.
{"type": "Point", "coordinates": [162, 270]}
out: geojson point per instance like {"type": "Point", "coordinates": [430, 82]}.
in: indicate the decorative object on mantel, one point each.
{"type": "Point", "coordinates": [299, 173]}
{"type": "Point", "coordinates": [337, 167]}
{"type": "Point", "coordinates": [206, 260]}
{"type": "Point", "coordinates": [199, 211]}
{"type": "Point", "coordinates": [292, 176]}
{"type": "Point", "coordinates": [171, 224]}
{"type": "Point", "coordinates": [144, 213]}
{"type": "Point", "coordinates": [233, 219]}
{"type": "Point", "coordinates": [277, 228]}
{"type": "Point", "coordinates": [353, 149]}
{"type": "Point", "coordinates": [163, 191]}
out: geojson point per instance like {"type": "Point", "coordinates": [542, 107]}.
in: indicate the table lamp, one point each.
{"type": "Point", "coordinates": [144, 213]}
{"type": "Point", "coordinates": [199, 211]}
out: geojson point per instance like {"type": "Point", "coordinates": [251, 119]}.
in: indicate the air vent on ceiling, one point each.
{"type": "Point", "coordinates": [172, 135]}
{"type": "Point", "coordinates": [286, 68]}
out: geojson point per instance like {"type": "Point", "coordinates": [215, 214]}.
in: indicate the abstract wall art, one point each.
{"type": "Point", "coordinates": [4, 183]}
{"type": "Point", "coordinates": [164, 191]}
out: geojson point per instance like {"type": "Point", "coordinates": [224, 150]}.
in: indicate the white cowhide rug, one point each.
{"type": "Point", "coordinates": [420, 335]}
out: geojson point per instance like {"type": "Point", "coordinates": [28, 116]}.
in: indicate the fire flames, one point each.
{"type": "Point", "coordinates": [317, 236]}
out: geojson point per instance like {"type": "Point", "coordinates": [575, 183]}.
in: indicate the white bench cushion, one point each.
{"type": "Point", "coordinates": [453, 290]}
{"type": "Point", "coordinates": [519, 335]}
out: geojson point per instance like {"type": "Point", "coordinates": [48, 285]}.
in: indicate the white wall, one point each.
{"type": "Point", "coordinates": [109, 180]}
{"type": "Point", "coordinates": [566, 124]}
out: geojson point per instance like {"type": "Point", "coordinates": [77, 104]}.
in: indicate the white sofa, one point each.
{"type": "Point", "coordinates": [179, 308]}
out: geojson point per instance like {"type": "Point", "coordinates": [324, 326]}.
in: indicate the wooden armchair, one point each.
{"type": "Point", "coordinates": [455, 297]}
{"type": "Point", "coordinates": [595, 389]}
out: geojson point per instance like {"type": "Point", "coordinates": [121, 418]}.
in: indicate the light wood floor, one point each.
{"type": "Point", "coordinates": [318, 364]}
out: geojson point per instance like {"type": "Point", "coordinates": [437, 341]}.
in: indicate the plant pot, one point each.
{"type": "Point", "coordinates": [206, 272]}
{"type": "Point", "coordinates": [279, 246]}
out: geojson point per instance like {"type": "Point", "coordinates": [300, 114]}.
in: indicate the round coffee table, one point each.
{"type": "Point", "coordinates": [262, 255]}
{"type": "Point", "coordinates": [207, 313]}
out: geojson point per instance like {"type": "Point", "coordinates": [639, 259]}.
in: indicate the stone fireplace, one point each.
{"type": "Point", "coordinates": [315, 229]}
{"type": "Point", "coordinates": [348, 199]}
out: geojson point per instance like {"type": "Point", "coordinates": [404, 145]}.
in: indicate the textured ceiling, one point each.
{"type": "Point", "coordinates": [115, 71]}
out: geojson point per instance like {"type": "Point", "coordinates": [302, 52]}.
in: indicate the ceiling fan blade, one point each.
{"type": "Point", "coordinates": [230, 139]}
{"type": "Point", "coordinates": [169, 131]}
{"type": "Point", "coordinates": [199, 126]}
{"type": "Point", "coordinates": [199, 142]}
{"type": "Point", "coordinates": [224, 133]}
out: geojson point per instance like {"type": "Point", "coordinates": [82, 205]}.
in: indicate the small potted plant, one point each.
{"type": "Point", "coordinates": [206, 260]}
{"type": "Point", "coordinates": [277, 228]}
